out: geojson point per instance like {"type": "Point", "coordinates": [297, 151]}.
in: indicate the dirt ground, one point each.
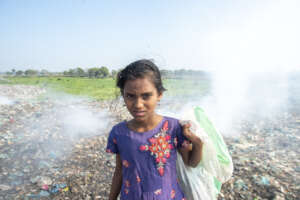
{"type": "Point", "coordinates": [40, 159]}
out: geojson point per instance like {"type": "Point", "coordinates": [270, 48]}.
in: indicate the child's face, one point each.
{"type": "Point", "coordinates": [141, 97]}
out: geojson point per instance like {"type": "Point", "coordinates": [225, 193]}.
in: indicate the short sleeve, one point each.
{"type": "Point", "coordinates": [112, 145]}
{"type": "Point", "coordinates": [182, 141]}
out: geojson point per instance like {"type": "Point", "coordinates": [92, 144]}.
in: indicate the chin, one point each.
{"type": "Point", "coordinates": [140, 119]}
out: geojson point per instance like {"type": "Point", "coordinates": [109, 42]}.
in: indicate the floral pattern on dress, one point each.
{"type": "Point", "coordinates": [146, 182]}
{"type": "Point", "coordinates": [125, 163]}
{"type": "Point", "coordinates": [126, 191]}
{"type": "Point", "coordinates": [160, 147]}
{"type": "Point", "coordinates": [138, 179]}
{"type": "Point", "coordinates": [157, 192]}
{"type": "Point", "coordinates": [172, 194]}
{"type": "Point", "coordinates": [114, 141]}
{"type": "Point", "coordinates": [127, 185]}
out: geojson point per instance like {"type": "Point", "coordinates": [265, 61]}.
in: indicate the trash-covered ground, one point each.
{"type": "Point", "coordinates": [45, 154]}
{"type": "Point", "coordinates": [266, 160]}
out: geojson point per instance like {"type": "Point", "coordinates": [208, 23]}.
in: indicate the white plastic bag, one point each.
{"type": "Point", "coordinates": [204, 181]}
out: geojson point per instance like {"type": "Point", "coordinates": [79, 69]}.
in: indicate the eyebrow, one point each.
{"type": "Point", "coordinates": [145, 93]}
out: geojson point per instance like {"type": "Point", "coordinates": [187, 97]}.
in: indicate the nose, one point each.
{"type": "Point", "coordinates": [138, 104]}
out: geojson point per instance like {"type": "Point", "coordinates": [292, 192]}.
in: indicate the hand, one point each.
{"type": "Point", "coordinates": [190, 135]}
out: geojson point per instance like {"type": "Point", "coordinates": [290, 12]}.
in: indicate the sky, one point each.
{"type": "Point", "coordinates": [213, 35]}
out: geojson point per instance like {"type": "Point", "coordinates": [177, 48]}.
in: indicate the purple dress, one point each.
{"type": "Point", "coordinates": [148, 160]}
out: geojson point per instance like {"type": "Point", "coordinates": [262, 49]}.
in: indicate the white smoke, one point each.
{"type": "Point", "coordinates": [80, 122]}
{"type": "Point", "coordinates": [240, 95]}
{"type": "Point", "coordinates": [5, 101]}
{"type": "Point", "coordinates": [236, 96]}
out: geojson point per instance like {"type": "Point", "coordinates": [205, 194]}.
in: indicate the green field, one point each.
{"type": "Point", "coordinates": [102, 89]}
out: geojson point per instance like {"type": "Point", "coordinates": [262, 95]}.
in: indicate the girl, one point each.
{"type": "Point", "coordinates": [145, 146]}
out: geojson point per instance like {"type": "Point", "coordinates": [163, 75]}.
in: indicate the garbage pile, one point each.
{"type": "Point", "coordinates": [43, 158]}
{"type": "Point", "coordinates": [266, 159]}
{"type": "Point", "coordinates": [42, 144]}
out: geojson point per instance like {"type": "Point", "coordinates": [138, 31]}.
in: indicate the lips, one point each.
{"type": "Point", "coordinates": [139, 113]}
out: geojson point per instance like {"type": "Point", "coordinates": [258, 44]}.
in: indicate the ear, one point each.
{"type": "Point", "coordinates": [160, 95]}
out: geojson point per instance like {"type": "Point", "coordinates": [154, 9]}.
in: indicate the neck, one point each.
{"type": "Point", "coordinates": [142, 126]}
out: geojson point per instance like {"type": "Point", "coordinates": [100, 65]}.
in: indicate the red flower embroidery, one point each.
{"type": "Point", "coordinates": [160, 147]}
{"type": "Point", "coordinates": [126, 191]}
{"type": "Point", "coordinates": [173, 194]}
{"type": "Point", "coordinates": [127, 183]}
{"type": "Point", "coordinates": [125, 163]}
{"type": "Point", "coordinates": [108, 151]}
{"type": "Point", "coordinates": [165, 126]}
{"type": "Point", "coordinates": [157, 192]}
{"type": "Point", "coordinates": [138, 179]}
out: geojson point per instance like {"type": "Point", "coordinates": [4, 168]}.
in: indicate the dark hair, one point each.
{"type": "Point", "coordinates": [140, 69]}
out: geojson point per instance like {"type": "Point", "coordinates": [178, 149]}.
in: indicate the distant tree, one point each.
{"type": "Point", "coordinates": [13, 71]}
{"type": "Point", "coordinates": [114, 73]}
{"type": "Point", "coordinates": [80, 72]}
{"type": "Point", "coordinates": [19, 73]}
{"type": "Point", "coordinates": [44, 72]}
{"type": "Point", "coordinates": [104, 72]}
{"type": "Point", "coordinates": [98, 73]}
{"type": "Point", "coordinates": [93, 72]}
{"type": "Point", "coordinates": [31, 72]}
{"type": "Point", "coordinates": [72, 72]}
{"type": "Point", "coordinates": [66, 73]}
{"type": "Point", "coordinates": [9, 73]}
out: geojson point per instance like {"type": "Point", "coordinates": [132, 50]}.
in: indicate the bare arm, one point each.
{"type": "Point", "coordinates": [192, 154]}
{"type": "Point", "coordinates": [116, 180]}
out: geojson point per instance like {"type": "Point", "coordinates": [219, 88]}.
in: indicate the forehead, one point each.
{"type": "Point", "coordinates": [139, 85]}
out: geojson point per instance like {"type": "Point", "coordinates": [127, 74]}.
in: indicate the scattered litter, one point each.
{"type": "Point", "coordinates": [40, 161]}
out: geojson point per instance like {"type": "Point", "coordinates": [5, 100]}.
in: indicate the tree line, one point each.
{"type": "Point", "coordinates": [95, 72]}
{"type": "Point", "coordinates": [104, 72]}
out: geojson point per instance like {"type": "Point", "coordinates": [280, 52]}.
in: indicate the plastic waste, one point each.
{"type": "Point", "coordinates": [44, 193]}
{"type": "Point", "coordinates": [264, 181]}
{"type": "Point", "coordinates": [240, 185]}
{"type": "Point", "coordinates": [205, 180]}
{"type": "Point", "coordinates": [58, 187]}
{"type": "Point", "coordinates": [44, 180]}
{"type": "Point", "coordinates": [45, 187]}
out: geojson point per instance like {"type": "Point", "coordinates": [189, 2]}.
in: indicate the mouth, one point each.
{"type": "Point", "coordinates": [139, 113]}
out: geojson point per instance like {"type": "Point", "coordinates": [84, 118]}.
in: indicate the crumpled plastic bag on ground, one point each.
{"type": "Point", "coordinates": [204, 181]}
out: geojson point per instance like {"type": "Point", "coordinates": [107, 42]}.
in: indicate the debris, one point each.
{"type": "Point", "coordinates": [264, 181]}
{"type": "Point", "coordinates": [4, 187]}
{"type": "Point", "coordinates": [39, 160]}
{"type": "Point", "coordinates": [45, 187]}
{"type": "Point", "coordinates": [239, 184]}
{"type": "Point", "coordinates": [44, 180]}
{"type": "Point", "coordinates": [44, 193]}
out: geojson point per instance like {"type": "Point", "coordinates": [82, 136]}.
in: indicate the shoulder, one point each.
{"type": "Point", "coordinates": [118, 128]}
{"type": "Point", "coordinates": [173, 122]}
{"type": "Point", "coordinates": [171, 119]}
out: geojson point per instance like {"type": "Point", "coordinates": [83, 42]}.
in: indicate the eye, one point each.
{"type": "Point", "coordinates": [129, 96]}
{"type": "Point", "coordinates": [146, 96]}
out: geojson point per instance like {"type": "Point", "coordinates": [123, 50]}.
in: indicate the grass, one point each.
{"type": "Point", "coordinates": [186, 87]}
{"type": "Point", "coordinates": [102, 89]}
{"type": "Point", "coordinates": [96, 88]}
